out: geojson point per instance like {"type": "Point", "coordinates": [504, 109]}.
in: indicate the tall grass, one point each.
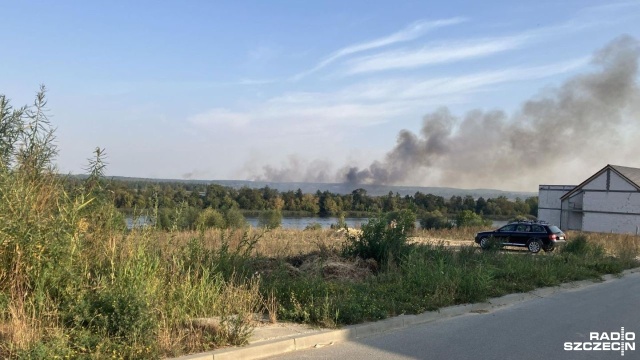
{"type": "Point", "coordinates": [74, 283]}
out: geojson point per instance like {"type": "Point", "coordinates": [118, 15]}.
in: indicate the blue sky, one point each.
{"type": "Point", "coordinates": [221, 89]}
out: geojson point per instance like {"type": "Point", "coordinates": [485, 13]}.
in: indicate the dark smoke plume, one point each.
{"type": "Point", "coordinates": [588, 119]}
{"type": "Point", "coordinates": [562, 135]}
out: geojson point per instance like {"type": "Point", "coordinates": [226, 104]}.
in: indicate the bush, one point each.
{"type": "Point", "coordinates": [580, 246]}
{"type": "Point", "coordinates": [235, 219]}
{"type": "Point", "coordinates": [313, 226]}
{"type": "Point", "coordinates": [434, 220]}
{"type": "Point", "coordinates": [210, 218]}
{"type": "Point", "coordinates": [522, 218]}
{"type": "Point", "coordinates": [405, 219]}
{"type": "Point", "coordinates": [381, 240]}
{"type": "Point", "coordinates": [341, 224]}
{"type": "Point", "coordinates": [467, 218]}
{"type": "Point", "coordinates": [270, 219]}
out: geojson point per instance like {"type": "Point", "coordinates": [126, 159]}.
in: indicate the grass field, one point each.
{"type": "Point", "coordinates": [139, 294]}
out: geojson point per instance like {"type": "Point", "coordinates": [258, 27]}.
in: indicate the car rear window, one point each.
{"type": "Point", "coordinates": [554, 229]}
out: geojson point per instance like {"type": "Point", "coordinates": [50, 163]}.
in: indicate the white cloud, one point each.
{"type": "Point", "coordinates": [434, 54]}
{"type": "Point", "coordinates": [411, 32]}
{"type": "Point", "coordinates": [314, 114]}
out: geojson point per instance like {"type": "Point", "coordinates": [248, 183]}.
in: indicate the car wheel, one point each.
{"type": "Point", "coordinates": [548, 248]}
{"type": "Point", "coordinates": [534, 245]}
{"type": "Point", "coordinates": [484, 243]}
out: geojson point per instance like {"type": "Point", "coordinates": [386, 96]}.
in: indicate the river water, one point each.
{"type": "Point", "coordinates": [299, 223]}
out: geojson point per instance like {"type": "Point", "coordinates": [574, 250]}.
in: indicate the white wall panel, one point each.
{"type": "Point", "coordinates": [621, 224]}
{"type": "Point", "coordinates": [599, 183]}
{"type": "Point", "coordinates": [612, 202]}
{"type": "Point", "coordinates": [618, 183]}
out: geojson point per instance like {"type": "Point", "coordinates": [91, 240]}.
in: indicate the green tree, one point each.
{"type": "Point", "coordinates": [389, 203]}
{"type": "Point", "coordinates": [468, 203]}
{"type": "Point", "coordinates": [468, 218]}
{"type": "Point", "coordinates": [533, 205]}
{"type": "Point", "coordinates": [309, 203]}
{"type": "Point", "coordinates": [481, 206]}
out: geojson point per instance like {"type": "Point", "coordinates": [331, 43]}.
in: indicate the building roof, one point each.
{"type": "Point", "coordinates": [631, 175]}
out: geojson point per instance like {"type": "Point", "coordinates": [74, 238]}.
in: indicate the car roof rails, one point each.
{"type": "Point", "coordinates": [541, 222]}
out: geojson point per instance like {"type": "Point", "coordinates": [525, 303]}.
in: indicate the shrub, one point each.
{"type": "Point", "coordinates": [341, 224]}
{"type": "Point", "coordinates": [210, 218]}
{"type": "Point", "coordinates": [581, 246]}
{"type": "Point", "coordinates": [434, 220]}
{"type": "Point", "coordinates": [405, 219]}
{"type": "Point", "coordinates": [522, 218]}
{"type": "Point", "coordinates": [313, 226]}
{"type": "Point", "coordinates": [467, 218]}
{"type": "Point", "coordinates": [381, 240]}
{"type": "Point", "coordinates": [235, 219]}
{"type": "Point", "coordinates": [270, 219]}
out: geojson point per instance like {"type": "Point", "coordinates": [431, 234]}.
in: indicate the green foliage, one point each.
{"type": "Point", "coordinates": [270, 219]}
{"type": "Point", "coordinates": [143, 194]}
{"type": "Point", "coordinates": [183, 217]}
{"type": "Point", "coordinates": [428, 278]}
{"type": "Point", "coordinates": [405, 219]}
{"type": "Point", "coordinates": [493, 244]}
{"type": "Point", "coordinates": [521, 218]}
{"type": "Point", "coordinates": [341, 224]}
{"type": "Point", "coordinates": [210, 218]}
{"type": "Point", "coordinates": [434, 220]}
{"type": "Point", "coordinates": [235, 219]}
{"type": "Point", "coordinates": [382, 240]}
{"type": "Point", "coordinates": [75, 284]}
{"type": "Point", "coordinates": [314, 226]}
{"type": "Point", "coordinates": [579, 245]}
{"type": "Point", "coordinates": [467, 218]}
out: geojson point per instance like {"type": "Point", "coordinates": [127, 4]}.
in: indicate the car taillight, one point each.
{"type": "Point", "coordinates": [552, 237]}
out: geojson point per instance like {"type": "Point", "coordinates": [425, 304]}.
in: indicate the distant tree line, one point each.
{"type": "Point", "coordinates": [169, 195]}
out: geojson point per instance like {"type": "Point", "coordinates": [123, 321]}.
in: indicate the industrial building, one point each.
{"type": "Point", "coordinates": [608, 201]}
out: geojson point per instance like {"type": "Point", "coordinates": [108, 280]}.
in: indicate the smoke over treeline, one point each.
{"type": "Point", "coordinates": [590, 120]}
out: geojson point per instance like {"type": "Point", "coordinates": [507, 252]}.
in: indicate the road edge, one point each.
{"type": "Point", "coordinates": [323, 337]}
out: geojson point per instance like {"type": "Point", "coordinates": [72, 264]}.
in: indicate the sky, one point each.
{"type": "Point", "coordinates": [310, 90]}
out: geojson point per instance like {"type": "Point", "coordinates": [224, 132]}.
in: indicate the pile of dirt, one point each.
{"type": "Point", "coordinates": [266, 266]}
{"type": "Point", "coordinates": [337, 268]}
{"type": "Point", "coordinates": [328, 266]}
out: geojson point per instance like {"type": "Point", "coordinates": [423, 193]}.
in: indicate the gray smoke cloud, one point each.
{"type": "Point", "coordinates": [586, 122]}
{"type": "Point", "coordinates": [298, 170]}
{"type": "Point", "coordinates": [566, 133]}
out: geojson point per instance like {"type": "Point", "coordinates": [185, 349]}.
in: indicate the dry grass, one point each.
{"type": "Point", "coordinates": [455, 237]}
{"type": "Point", "coordinates": [620, 245]}
{"type": "Point", "coordinates": [277, 243]}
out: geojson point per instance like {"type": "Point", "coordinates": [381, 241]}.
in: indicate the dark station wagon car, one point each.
{"type": "Point", "coordinates": [535, 236]}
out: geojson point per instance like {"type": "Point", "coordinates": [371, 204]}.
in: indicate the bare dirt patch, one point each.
{"type": "Point", "coordinates": [328, 266]}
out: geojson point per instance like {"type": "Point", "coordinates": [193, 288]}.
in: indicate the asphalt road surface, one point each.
{"type": "Point", "coordinates": [535, 329]}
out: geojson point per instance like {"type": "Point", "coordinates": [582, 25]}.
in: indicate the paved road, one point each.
{"type": "Point", "coordinates": [535, 329]}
